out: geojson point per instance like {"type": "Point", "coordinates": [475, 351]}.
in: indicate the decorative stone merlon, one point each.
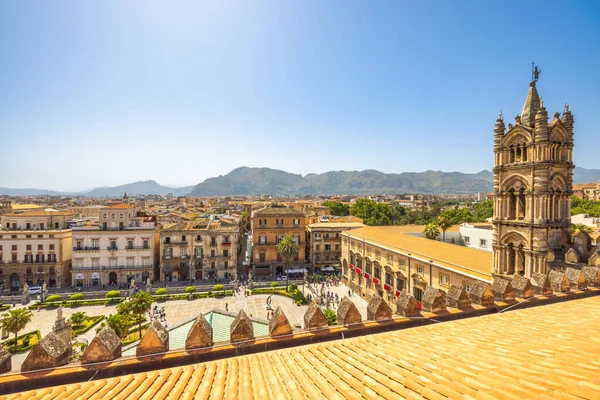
{"type": "Point", "coordinates": [279, 325]}
{"type": "Point", "coordinates": [407, 306]}
{"type": "Point", "coordinates": [378, 309]}
{"type": "Point", "coordinates": [50, 352]}
{"type": "Point", "coordinates": [594, 260]}
{"type": "Point", "coordinates": [576, 278]}
{"type": "Point", "coordinates": [200, 335]}
{"type": "Point", "coordinates": [481, 294]}
{"type": "Point", "coordinates": [458, 297]}
{"type": "Point", "coordinates": [314, 317]}
{"type": "Point", "coordinates": [241, 328]}
{"type": "Point", "coordinates": [559, 281]}
{"type": "Point", "coordinates": [106, 346]}
{"type": "Point", "coordinates": [502, 289]}
{"type": "Point", "coordinates": [573, 256]}
{"type": "Point", "coordinates": [541, 284]}
{"type": "Point", "coordinates": [5, 360]}
{"type": "Point", "coordinates": [347, 313]}
{"type": "Point", "coordinates": [592, 275]}
{"type": "Point", "coordinates": [434, 300]}
{"type": "Point", "coordinates": [154, 341]}
{"type": "Point", "coordinates": [522, 286]}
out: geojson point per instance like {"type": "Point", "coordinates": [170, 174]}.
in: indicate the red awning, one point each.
{"type": "Point", "coordinates": [351, 266]}
{"type": "Point", "coordinates": [375, 281]}
{"type": "Point", "coordinates": [367, 275]}
{"type": "Point", "coordinates": [387, 287]}
{"type": "Point", "coordinates": [357, 270]}
{"type": "Point", "coordinates": [397, 293]}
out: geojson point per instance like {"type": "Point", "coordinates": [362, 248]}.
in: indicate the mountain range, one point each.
{"type": "Point", "coordinates": [257, 181]}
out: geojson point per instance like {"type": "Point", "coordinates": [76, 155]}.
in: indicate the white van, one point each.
{"type": "Point", "coordinates": [35, 290]}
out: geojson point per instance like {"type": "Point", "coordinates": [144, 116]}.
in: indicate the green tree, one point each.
{"type": "Point", "coordinates": [288, 248]}
{"type": "Point", "coordinates": [15, 320]}
{"type": "Point", "coordinates": [338, 208]}
{"type": "Point", "coordinates": [139, 305]}
{"type": "Point", "coordinates": [78, 318]}
{"type": "Point", "coordinates": [444, 224]}
{"type": "Point", "coordinates": [431, 231]}
{"type": "Point", "coordinates": [576, 228]}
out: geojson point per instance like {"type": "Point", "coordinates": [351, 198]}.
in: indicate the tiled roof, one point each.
{"type": "Point", "coordinates": [465, 260]}
{"type": "Point", "coordinates": [123, 206]}
{"type": "Point", "coordinates": [546, 352]}
{"type": "Point", "coordinates": [277, 211]}
{"type": "Point", "coordinates": [349, 225]}
{"type": "Point", "coordinates": [41, 214]}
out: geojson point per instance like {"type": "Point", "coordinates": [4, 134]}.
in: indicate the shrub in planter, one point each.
{"type": "Point", "coordinates": [293, 287]}
{"type": "Point", "coordinates": [190, 289]}
{"type": "Point", "coordinates": [76, 296]}
{"type": "Point", "coordinates": [161, 291]}
{"type": "Point", "coordinates": [53, 297]}
{"type": "Point", "coordinates": [331, 316]}
{"type": "Point", "coordinates": [112, 294]}
{"type": "Point", "coordinates": [218, 287]}
{"type": "Point", "coordinates": [274, 284]}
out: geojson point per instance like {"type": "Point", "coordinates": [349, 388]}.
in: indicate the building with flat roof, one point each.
{"type": "Point", "coordinates": [324, 244]}
{"type": "Point", "coordinates": [35, 247]}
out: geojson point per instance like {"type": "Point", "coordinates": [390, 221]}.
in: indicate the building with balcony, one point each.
{"type": "Point", "coordinates": [121, 246]}
{"type": "Point", "coordinates": [324, 244]}
{"type": "Point", "coordinates": [204, 249]}
{"type": "Point", "coordinates": [385, 260]}
{"type": "Point", "coordinates": [35, 247]}
{"type": "Point", "coordinates": [269, 226]}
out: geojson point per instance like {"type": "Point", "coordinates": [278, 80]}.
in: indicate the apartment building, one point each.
{"type": "Point", "coordinates": [35, 247]}
{"type": "Point", "coordinates": [269, 226]}
{"type": "Point", "coordinates": [198, 250]}
{"type": "Point", "coordinates": [123, 245]}
{"type": "Point", "coordinates": [324, 244]}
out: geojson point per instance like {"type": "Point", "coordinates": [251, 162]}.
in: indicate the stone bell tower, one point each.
{"type": "Point", "coordinates": [533, 185]}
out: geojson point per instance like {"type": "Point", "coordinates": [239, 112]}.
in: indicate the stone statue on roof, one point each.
{"type": "Point", "coordinates": [536, 73]}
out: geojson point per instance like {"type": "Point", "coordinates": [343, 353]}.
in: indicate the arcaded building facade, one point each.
{"type": "Point", "coordinates": [533, 185]}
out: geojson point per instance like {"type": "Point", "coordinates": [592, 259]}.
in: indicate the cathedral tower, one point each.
{"type": "Point", "coordinates": [533, 180]}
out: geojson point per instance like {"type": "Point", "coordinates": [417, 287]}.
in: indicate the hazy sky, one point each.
{"type": "Point", "coordinates": [107, 93]}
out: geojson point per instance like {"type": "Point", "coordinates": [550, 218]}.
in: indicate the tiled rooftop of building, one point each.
{"type": "Point", "coordinates": [277, 211]}
{"type": "Point", "coordinates": [546, 352]}
{"type": "Point", "coordinates": [120, 206]}
{"type": "Point", "coordinates": [318, 225]}
{"type": "Point", "coordinates": [473, 262]}
{"type": "Point", "coordinates": [186, 226]}
{"type": "Point", "coordinates": [40, 213]}
{"type": "Point", "coordinates": [17, 207]}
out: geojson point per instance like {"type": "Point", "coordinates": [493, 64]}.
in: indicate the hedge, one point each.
{"type": "Point", "coordinates": [296, 295]}
{"type": "Point", "coordinates": [189, 289]}
{"type": "Point", "coordinates": [197, 295]}
{"type": "Point", "coordinates": [75, 296]}
{"type": "Point", "coordinates": [53, 297]}
{"type": "Point", "coordinates": [75, 303]}
{"type": "Point", "coordinates": [34, 337]}
{"type": "Point", "coordinates": [5, 307]}
{"type": "Point", "coordinates": [112, 294]}
{"type": "Point", "coordinates": [218, 287]}
{"type": "Point", "coordinates": [161, 291]}
{"type": "Point", "coordinates": [88, 324]}
{"type": "Point", "coordinates": [131, 336]}
{"type": "Point", "coordinates": [274, 284]}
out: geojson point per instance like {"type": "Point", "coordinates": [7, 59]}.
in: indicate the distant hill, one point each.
{"type": "Point", "coordinates": [257, 181]}
{"type": "Point", "coordinates": [141, 187]}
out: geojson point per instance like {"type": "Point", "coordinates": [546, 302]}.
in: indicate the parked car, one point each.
{"type": "Point", "coordinates": [35, 290]}
{"type": "Point", "coordinates": [282, 278]}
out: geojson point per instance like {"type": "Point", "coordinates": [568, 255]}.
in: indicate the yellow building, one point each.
{"type": "Point", "coordinates": [387, 260]}
{"type": "Point", "coordinates": [324, 244]}
{"type": "Point", "coordinates": [269, 226]}
{"type": "Point", "coordinates": [35, 247]}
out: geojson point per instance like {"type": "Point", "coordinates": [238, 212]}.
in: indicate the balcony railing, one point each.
{"type": "Point", "coordinates": [109, 268]}
{"type": "Point", "coordinates": [86, 248]}
{"type": "Point", "coordinates": [137, 247]}
{"type": "Point", "coordinates": [175, 242]}
{"type": "Point", "coordinates": [112, 248]}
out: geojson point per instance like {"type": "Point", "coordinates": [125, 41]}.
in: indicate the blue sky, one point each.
{"type": "Point", "coordinates": [107, 93]}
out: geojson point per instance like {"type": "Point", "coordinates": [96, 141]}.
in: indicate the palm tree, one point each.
{"type": "Point", "coordinates": [444, 223]}
{"type": "Point", "coordinates": [140, 304]}
{"type": "Point", "coordinates": [78, 318]}
{"type": "Point", "coordinates": [119, 323]}
{"type": "Point", "coordinates": [288, 248]}
{"type": "Point", "coordinates": [16, 320]}
{"type": "Point", "coordinates": [431, 231]}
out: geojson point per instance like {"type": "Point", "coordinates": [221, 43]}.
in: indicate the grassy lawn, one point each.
{"type": "Point", "coordinates": [87, 325]}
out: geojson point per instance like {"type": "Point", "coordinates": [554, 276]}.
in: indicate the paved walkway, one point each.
{"type": "Point", "coordinates": [342, 291]}
{"type": "Point", "coordinates": [177, 312]}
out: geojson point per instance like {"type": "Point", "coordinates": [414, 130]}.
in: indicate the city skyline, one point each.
{"type": "Point", "coordinates": [110, 94]}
